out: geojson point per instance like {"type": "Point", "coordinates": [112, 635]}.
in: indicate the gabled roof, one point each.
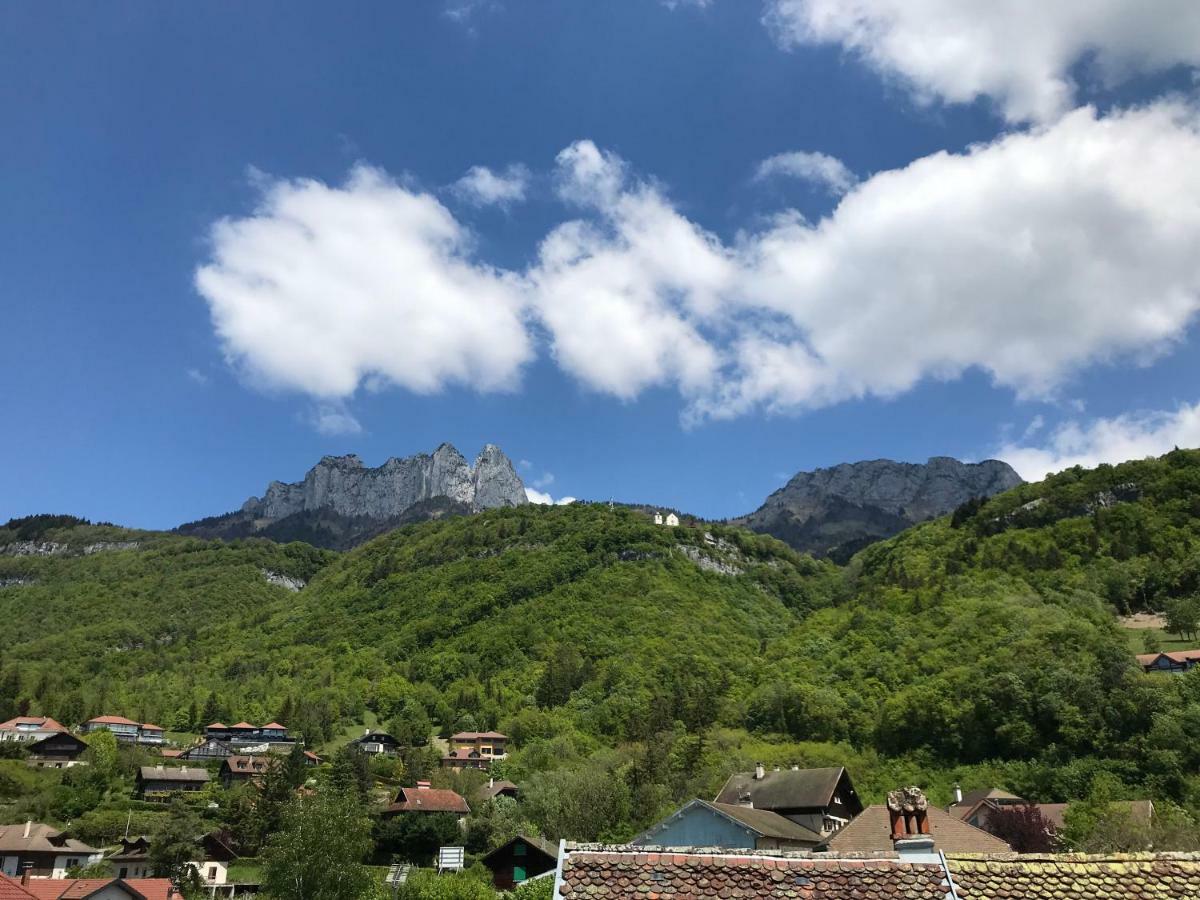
{"type": "Point", "coordinates": [249, 765]}
{"type": "Point", "coordinates": [242, 725]}
{"type": "Point", "coordinates": [45, 723]}
{"type": "Point", "coordinates": [546, 848]}
{"type": "Point", "coordinates": [111, 720]}
{"type": "Point", "coordinates": [41, 839]}
{"type": "Point", "coordinates": [216, 725]}
{"type": "Point", "coordinates": [1176, 656]}
{"type": "Point", "coordinates": [972, 800]}
{"type": "Point", "coordinates": [412, 799]}
{"type": "Point", "coordinates": [475, 735]}
{"type": "Point", "coordinates": [784, 789]}
{"type": "Point", "coordinates": [146, 726]}
{"type": "Point", "coordinates": [496, 788]}
{"type": "Point", "coordinates": [57, 738]}
{"type": "Point", "coordinates": [871, 832]}
{"type": "Point", "coordinates": [82, 888]}
{"type": "Point", "coordinates": [1055, 813]}
{"type": "Point", "coordinates": [10, 889]}
{"type": "Point", "coordinates": [618, 873]}
{"type": "Point", "coordinates": [761, 822]}
{"type": "Point", "coordinates": [276, 726]}
{"type": "Point", "coordinates": [1131, 876]}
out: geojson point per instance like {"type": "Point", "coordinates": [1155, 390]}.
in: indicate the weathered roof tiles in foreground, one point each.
{"type": "Point", "coordinates": [1132, 876]}
{"type": "Point", "coordinates": [604, 873]}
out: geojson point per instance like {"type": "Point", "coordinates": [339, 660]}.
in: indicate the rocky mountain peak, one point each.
{"type": "Point", "coordinates": [836, 510]}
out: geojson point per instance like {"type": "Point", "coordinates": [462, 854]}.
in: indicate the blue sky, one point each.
{"type": "Point", "coordinates": [238, 237]}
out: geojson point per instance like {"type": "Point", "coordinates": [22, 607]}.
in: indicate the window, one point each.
{"type": "Point", "coordinates": [212, 873]}
{"type": "Point", "coordinates": [518, 874]}
{"type": "Point", "coordinates": [72, 862]}
{"type": "Point", "coordinates": [518, 849]}
{"type": "Point", "coordinates": [124, 872]}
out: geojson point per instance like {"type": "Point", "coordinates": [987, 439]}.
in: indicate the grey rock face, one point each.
{"type": "Point", "coordinates": [848, 506]}
{"type": "Point", "coordinates": [347, 487]}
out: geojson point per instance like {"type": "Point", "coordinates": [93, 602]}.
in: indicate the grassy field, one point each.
{"type": "Point", "coordinates": [349, 733]}
{"type": "Point", "coordinates": [1137, 638]}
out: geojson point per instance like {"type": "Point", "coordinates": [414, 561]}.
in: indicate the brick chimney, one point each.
{"type": "Point", "coordinates": [912, 835]}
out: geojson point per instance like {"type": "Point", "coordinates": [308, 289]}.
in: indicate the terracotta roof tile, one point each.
{"type": "Point", "coordinates": [45, 723]}
{"type": "Point", "coordinates": [412, 799]}
{"type": "Point", "coordinates": [624, 873]}
{"type": "Point", "coordinates": [10, 889]}
{"type": "Point", "coordinates": [1170, 876]}
{"type": "Point", "coordinates": [111, 720]}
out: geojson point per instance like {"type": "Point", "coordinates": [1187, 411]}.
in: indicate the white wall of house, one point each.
{"type": "Point", "coordinates": [213, 872]}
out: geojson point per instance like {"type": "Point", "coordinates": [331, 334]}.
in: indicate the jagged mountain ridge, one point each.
{"type": "Point", "coordinates": [838, 510]}
{"type": "Point", "coordinates": [341, 502]}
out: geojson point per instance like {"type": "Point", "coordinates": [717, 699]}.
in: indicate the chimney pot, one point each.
{"type": "Point", "coordinates": [28, 826]}
{"type": "Point", "coordinates": [25, 873]}
{"type": "Point", "coordinates": [957, 793]}
{"type": "Point", "coordinates": [759, 772]}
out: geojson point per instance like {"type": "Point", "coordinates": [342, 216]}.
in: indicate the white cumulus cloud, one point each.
{"type": "Point", "coordinates": [544, 499]}
{"type": "Point", "coordinates": [480, 186]}
{"type": "Point", "coordinates": [1019, 52]}
{"type": "Point", "coordinates": [323, 288]}
{"type": "Point", "coordinates": [1105, 440]}
{"type": "Point", "coordinates": [823, 170]}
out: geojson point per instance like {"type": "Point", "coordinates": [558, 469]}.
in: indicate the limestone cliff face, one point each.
{"type": "Point", "coordinates": [836, 511]}
{"type": "Point", "coordinates": [343, 485]}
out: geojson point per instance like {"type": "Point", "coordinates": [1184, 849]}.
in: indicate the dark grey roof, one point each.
{"type": "Point", "coordinates": [547, 847]}
{"type": "Point", "coordinates": [785, 789]}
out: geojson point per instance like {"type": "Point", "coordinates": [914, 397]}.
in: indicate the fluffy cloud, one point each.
{"type": "Point", "coordinates": [536, 496]}
{"type": "Point", "coordinates": [483, 187]}
{"type": "Point", "coordinates": [823, 170]}
{"type": "Point", "coordinates": [1114, 440]}
{"type": "Point", "coordinates": [624, 292]}
{"type": "Point", "coordinates": [334, 419]}
{"type": "Point", "coordinates": [323, 289]}
{"type": "Point", "coordinates": [1028, 258]}
{"type": "Point", "coordinates": [1021, 53]}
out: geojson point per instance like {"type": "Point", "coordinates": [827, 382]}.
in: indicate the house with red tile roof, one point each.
{"type": "Point", "coordinates": [466, 758]}
{"type": "Point", "coordinates": [1174, 662]}
{"type": "Point", "coordinates": [87, 889]}
{"type": "Point", "coordinates": [41, 850]}
{"type": "Point", "coordinates": [269, 736]}
{"type": "Point", "coordinates": [425, 799]}
{"type": "Point", "coordinates": [29, 728]}
{"type": "Point", "coordinates": [870, 832]}
{"type": "Point", "coordinates": [125, 730]}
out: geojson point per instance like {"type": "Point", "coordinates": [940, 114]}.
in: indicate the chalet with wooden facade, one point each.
{"type": "Point", "coordinates": [466, 758]}
{"type": "Point", "coordinates": [40, 851]}
{"type": "Point", "coordinates": [821, 800]}
{"type": "Point", "coordinates": [240, 769]}
{"type": "Point", "coordinates": [60, 750]}
{"type": "Point", "coordinates": [1174, 662]}
{"type": "Point", "coordinates": [520, 859]}
{"type": "Point", "coordinates": [161, 782]}
{"type": "Point", "coordinates": [377, 743]}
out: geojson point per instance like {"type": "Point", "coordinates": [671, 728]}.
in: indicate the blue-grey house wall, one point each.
{"type": "Point", "coordinates": [699, 827]}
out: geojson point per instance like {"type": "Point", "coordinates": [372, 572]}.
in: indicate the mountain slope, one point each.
{"type": "Point", "coordinates": [341, 503]}
{"type": "Point", "coordinates": [837, 511]}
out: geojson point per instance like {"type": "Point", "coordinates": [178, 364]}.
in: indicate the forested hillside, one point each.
{"type": "Point", "coordinates": [634, 665]}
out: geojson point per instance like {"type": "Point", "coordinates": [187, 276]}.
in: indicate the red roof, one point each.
{"type": "Point", "coordinates": [111, 720]}
{"type": "Point", "coordinates": [10, 889]}
{"type": "Point", "coordinates": [476, 735]}
{"type": "Point", "coordinates": [43, 722]}
{"type": "Point", "coordinates": [79, 888]}
{"type": "Point", "coordinates": [242, 725]}
{"type": "Point", "coordinates": [411, 799]}
{"type": "Point", "coordinates": [217, 725]}
{"type": "Point", "coordinates": [310, 755]}
{"type": "Point", "coordinates": [146, 726]}
{"type": "Point", "coordinates": [1176, 656]}
{"type": "Point", "coordinates": [275, 725]}
{"type": "Point", "coordinates": [170, 754]}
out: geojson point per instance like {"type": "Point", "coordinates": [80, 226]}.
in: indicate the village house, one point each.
{"type": "Point", "coordinates": [60, 750]}
{"type": "Point", "coordinates": [88, 889]}
{"type": "Point", "coordinates": [822, 800]}
{"type": "Point", "coordinates": [244, 735]}
{"type": "Point", "coordinates": [489, 744]}
{"type": "Point", "coordinates": [424, 799]}
{"type": "Point", "coordinates": [977, 807]}
{"type": "Point", "coordinates": [240, 769]}
{"type": "Point", "coordinates": [494, 789]}
{"type": "Point", "coordinates": [29, 728]}
{"type": "Point", "coordinates": [125, 730]}
{"type": "Point", "coordinates": [516, 861]}
{"type": "Point", "coordinates": [41, 851]}
{"type": "Point", "coordinates": [376, 743]}
{"type": "Point", "coordinates": [729, 827]}
{"type": "Point", "coordinates": [160, 782]}
{"type": "Point", "coordinates": [1174, 662]}
{"type": "Point", "coordinates": [132, 860]}
{"type": "Point", "coordinates": [901, 858]}
{"type": "Point", "coordinates": [869, 832]}
{"type": "Point", "coordinates": [466, 758]}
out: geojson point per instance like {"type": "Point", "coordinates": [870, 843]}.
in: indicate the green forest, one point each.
{"type": "Point", "coordinates": [636, 666]}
